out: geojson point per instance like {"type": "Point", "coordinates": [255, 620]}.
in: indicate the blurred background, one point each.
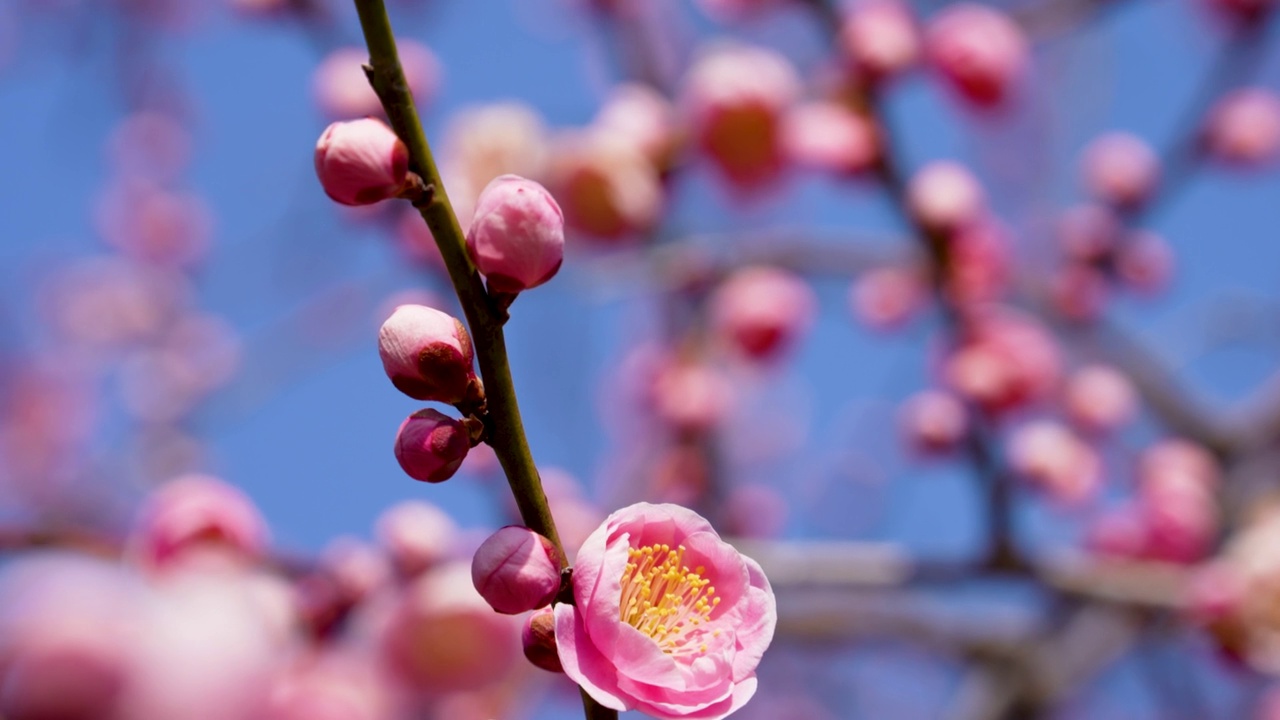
{"type": "Point", "coordinates": [960, 317]}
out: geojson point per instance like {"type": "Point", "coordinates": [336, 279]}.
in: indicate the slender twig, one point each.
{"type": "Point", "coordinates": [505, 430]}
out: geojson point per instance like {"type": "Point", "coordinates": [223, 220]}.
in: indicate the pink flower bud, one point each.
{"type": "Point", "coordinates": [978, 262]}
{"type": "Point", "coordinates": [1005, 360]}
{"type": "Point", "coordinates": [1145, 262]}
{"type": "Point", "coordinates": [735, 97]}
{"type": "Point", "coordinates": [607, 188]}
{"type": "Point", "coordinates": [1119, 533]}
{"type": "Point", "coordinates": [691, 396]}
{"type": "Point", "coordinates": [879, 38]}
{"type": "Point", "coordinates": [979, 50]}
{"type": "Point", "coordinates": [1055, 461]}
{"type": "Point", "coordinates": [361, 162]}
{"type": "Point", "coordinates": [1088, 233]}
{"type": "Point", "coordinates": [1244, 127]}
{"type": "Point", "coordinates": [645, 118]}
{"type": "Point", "coordinates": [428, 356]}
{"type": "Point", "coordinates": [539, 638]}
{"type": "Point", "coordinates": [516, 570]}
{"type": "Point", "coordinates": [944, 196]}
{"type": "Point", "coordinates": [1120, 169]}
{"type": "Point", "coordinates": [1100, 399]}
{"type": "Point", "coordinates": [431, 446]}
{"type": "Point", "coordinates": [762, 311]}
{"type": "Point", "coordinates": [1079, 291]}
{"type": "Point", "coordinates": [417, 535]}
{"type": "Point", "coordinates": [342, 90]}
{"type": "Point", "coordinates": [828, 136]}
{"type": "Point", "coordinates": [516, 238]}
{"type": "Point", "coordinates": [197, 513]}
{"type": "Point", "coordinates": [933, 422]}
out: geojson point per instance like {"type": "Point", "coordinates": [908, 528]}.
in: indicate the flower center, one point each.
{"type": "Point", "coordinates": [663, 598]}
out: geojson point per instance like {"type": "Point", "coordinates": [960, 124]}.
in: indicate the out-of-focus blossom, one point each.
{"type": "Point", "coordinates": [885, 298]}
{"type": "Point", "coordinates": [331, 685]}
{"type": "Point", "coordinates": [1078, 291]}
{"type": "Point", "coordinates": [485, 142]}
{"type": "Point", "coordinates": [830, 137]}
{"type": "Point", "coordinates": [194, 515]}
{"type": "Point", "coordinates": [753, 510]}
{"type": "Point", "coordinates": [607, 188]}
{"type": "Point", "coordinates": [427, 354]}
{"type": "Point", "coordinates": [735, 97]}
{"type": "Point", "coordinates": [981, 52]}
{"type": "Point", "coordinates": [1004, 360]}
{"type": "Point", "coordinates": [1176, 488]}
{"type": "Point", "coordinates": [516, 570]}
{"type": "Point", "coordinates": [342, 91]}
{"type": "Point", "coordinates": [1099, 398]}
{"type": "Point", "coordinates": [646, 569]}
{"type": "Point", "coordinates": [105, 304]}
{"type": "Point", "coordinates": [1240, 610]}
{"type": "Point", "coordinates": [442, 636]}
{"type": "Point", "coordinates": [644, 118]}
{"type": "Point", "coordinates": [944, 196]}
{"type": "Point", "coordinates": [67, 626]}
{"type": "Point", "coordinates": [516, 238]}
{"type": "Point", "coordinates": [760, 312]}
{"type": "Point", "coordinates": [1145, 262]}
{"type": "Point", "coordinates": [417, 536]}
{"type": "Point", "coordinates": [933, 421]}
{"type": "Point", "coordinates": [150, 145]}
{"type": "Point", "coordinates": [1244, 127]}
{"type": "Point", "coordinates": [430, 446]}
{"type": "Point", "coordinates": [1088, 233]}
{"type": "Point", "coordinates": [978, 259]}
{"type": "Point", "coordinates": [1120, 169]}
{"type": "Point", "coordinates": [361, 162]}
{"type": "Point", "coordinates": [879, 38]}
{"type": "Point", "coordinates": [691, 396]}
{"type": "Point", "coordinates": [1051, 458]}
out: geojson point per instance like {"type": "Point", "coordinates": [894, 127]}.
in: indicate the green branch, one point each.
{"type": "Point", "coordinates": [505, 430]}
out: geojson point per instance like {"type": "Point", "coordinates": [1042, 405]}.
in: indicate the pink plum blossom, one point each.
{"type": "Point", "coordinates": [933, 421]}
{"type": "Point", "coordinates": [193, 514]}
{"type": "Point", "coordinates": [361, 162]}
{"type": "Point", "coordinates": [830, 137]}
{"type": "Point", "coordinates": [416, 536]}
{"type": "Point", "coordinates": [427, 354]}
{"type": "Point", "coordinates": [150, 145]}
{"type": "Point", "coordinates": [879, 38]}
{"type": "Point", "coordinates": [944, 196]}
{"type": "Point", "coordinates": [1088, 232]}
{"type": "Point", "coordinates": [1120, 169]}
{"type": "Point", "coordinates": [431, 446]}
{"type": "Point", "coordinates": [606, 186]}
{"type": "Point", "coordinates": [644, 118]}
{"type": "Point", "coordinates": [484, 142]}
{"type": "Point", "coordinates": [692, 397]}
{"type": "Point", "coordinates": [669, 619]}
{"type": "Point", "coordinates": [978, 259]}
{"type": "Point", "coordinates": [1055, 461]}
{"type": "Point", "coordinates": [342, 90]}
{"type": "Point", "coordinates": [516, 238]}
{"type": "Point", "coordinates": [761, 311]}
{"type": "Point", "coordinates": [1099, 398]}
{"type": "Point", "coordinates": [1004, 359]}
{"type": "Point", "coordinates": [735, 97]}
{"type": "Point", "coordinates": [1145, 262]}
{"type": "Point", "coordinates": [1244, 127]}
{"type": "Point", "coordinates": [979, 50]}
{"type": "Point", "coordinates": [1079, 291]}
{"type": "Point", "coordinates": [516, 570]}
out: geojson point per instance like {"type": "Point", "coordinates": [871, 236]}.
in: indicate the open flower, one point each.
{"type": "Point", "coordinates": [670, 620]}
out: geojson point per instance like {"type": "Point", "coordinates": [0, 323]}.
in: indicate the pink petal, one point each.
{"type": "Point", "coordinates": [582, 662]}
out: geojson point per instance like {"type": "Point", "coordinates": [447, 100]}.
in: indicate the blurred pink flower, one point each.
{"type": "Point", "coordinates": [1120, 169]}
{"type": "Point", "coordinates": [933, 422]}
{"type": "Point", "coordinates": [830, 137]}
{"type": "Point", "coordinates": [608, 189]}
{"type": "Point", "coordinates": [417, 536]}
{"type": "Point", "coordinates": [879, 38]}
{"type": "Point", "coordinates": [979, 50]}
{"type": "Point", "coordinates": [761, 312]}
{"type": "Point", "coordinates": [195, 514]}
{"type": "Point", "coordinates": [1005, 359]}
{"type": "Point", "coordinates": [944, 197]}
{"type": "Point", "coordinates": [1099, 398]}
{"type": "Point", "coordinates": [1051, 458]}
{"type": "Point", "coordinates": [343, 92]}
{"type": "Point", "coordinates": [1244, 127]}
{"type": "Point", "coordinates": [885, 298]}
{"type": "Point", "coordinates": [650, 633]}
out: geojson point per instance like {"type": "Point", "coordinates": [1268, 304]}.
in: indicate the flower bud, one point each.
{"type": "Point", "coordinates": [1120, 169]}
{"type": "Point", "coordinates": [830, 137]}
{"type": "Point", "coordinates": [517, 236]}
{"type": "Point", "coordinates": [1244, 127]}
{"type": "Point", "coordinates": [761, 311]}
{"type": "Point", "coordinates": [427, 354]}
{"type": "Point", "coordinates": [944, 196]}
{"type": "Point", "coordinates": [417, 535]}
{"type": "Point", "coordinates": [1051, 458]}
{"type": "Point", "coordinates": [607, 188]}
{"type": "Point", "coordinates": [197, 513]}
{"type": "Point", "coordinates": [1145, 262]}
{"type": "Point", "coordinates": [1100, 399]}
{"type": "Point", "coordinates": [516, 570]}
{"type": "Point", "coordinates": [539, 638]}
{"type": "Point", "coordinates": [884, 298]}
{"type": "Point", "coordinates": [933, 421]}
{"type": "Point", "coordinates": [879, 38]}
{"type": "Point", "coordinates": [361, 162]}
{"type": "Point", "coordinates": [431, 446]}
{"type": "Point", "coordinates": [979, 50]}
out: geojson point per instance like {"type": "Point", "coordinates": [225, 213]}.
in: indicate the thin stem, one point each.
{"type": "Point", "coordinates": [502, 421]}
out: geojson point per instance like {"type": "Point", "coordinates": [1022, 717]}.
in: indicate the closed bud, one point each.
{"type": "Point", "coordinates": [1244, 127]}
{"type": "Point", "coordinates": [516, 238]}
{"type": "Point", "coordinates": [979, 50]}
{"type": "Point", "coordinates": [762, 311]}
{"type": "Point", "coordinates": [879, 38]}
{"type": "Point", "coordinates": [361, 162]}
{"type": "Point", "coordinates": [430, 446]}
{"type": "Point", "coordinates": [944, 196]}
{"type": "Point", "coordinates": [539, 638]}
{"type": "Point", "coordinates": [1120, 169]}
{"type": "Point", "coordinates": [197, 514]}
{"type": "Point", "coordinates": [428, 356]}
{"type": "Point", "coordinates": [516, 570]}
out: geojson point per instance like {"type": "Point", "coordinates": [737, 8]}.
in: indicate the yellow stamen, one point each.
{"type": "Point", "coordinates": [663, 598]}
